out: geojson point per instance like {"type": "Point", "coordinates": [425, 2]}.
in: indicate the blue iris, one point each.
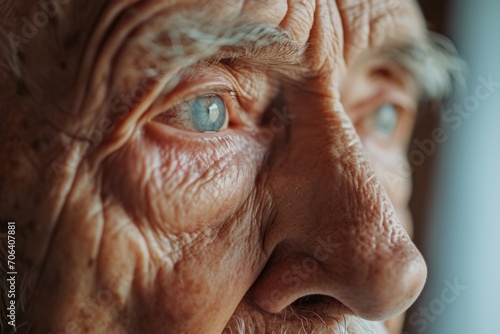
{"type": "Point", "coordinates": [208, 113]}
{"type": "Point", "coordinates": [386, 119]}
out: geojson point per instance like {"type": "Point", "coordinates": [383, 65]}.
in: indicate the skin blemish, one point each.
{"type": "Point", "coordinates": [21, 56]}
{"type": "Point", "coordinates": [72, 40]}
{"type": "Point", "coordinates": [22, 90]}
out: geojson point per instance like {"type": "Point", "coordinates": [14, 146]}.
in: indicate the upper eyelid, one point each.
{"type": "Point", "coordinates": [390, 82]}
{"type": "Point", "coordinates": [178, 96]}
{"type": "Point", "coordinates": [206, 91]}
{"type": "Point", "coordinates": [398, 99]}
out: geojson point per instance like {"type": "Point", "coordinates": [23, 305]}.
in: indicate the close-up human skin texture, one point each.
{"type": "Point", "coordinates": [194, 166]}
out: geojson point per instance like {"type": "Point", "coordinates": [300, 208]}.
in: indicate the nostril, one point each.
{"type": "Point", "coordinates": [325, 307]}
{"type": "Point", "coordinates": [309, 300]}
{"type": "Point", "coordinates": [319, 309]}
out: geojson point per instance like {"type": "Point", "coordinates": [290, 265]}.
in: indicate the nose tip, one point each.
{"type": "Point", "coordinates": [375, 289]}
{"type": "Point", "coordinates": [390, 284]}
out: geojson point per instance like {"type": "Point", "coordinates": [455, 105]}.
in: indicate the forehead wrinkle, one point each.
{"type": "Point", "coordinates": [270, 11]}
{"type": "Point", "coordinates": [368, 24]}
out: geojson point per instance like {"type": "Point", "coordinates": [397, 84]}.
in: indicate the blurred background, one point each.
{"type": "Point", "coordinates": [456, 203]}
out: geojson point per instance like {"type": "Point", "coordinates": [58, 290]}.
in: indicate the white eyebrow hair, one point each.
{"type": "Point", "coordinates": [182, 41]}
{"type": "Point", "coordinates": [431, 60]}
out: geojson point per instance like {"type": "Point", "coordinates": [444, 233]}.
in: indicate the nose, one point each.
{"type": "Point", "coordinates": [335, 232]}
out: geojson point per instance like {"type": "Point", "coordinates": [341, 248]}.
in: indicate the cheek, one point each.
{"type": "Point", "coordinates": [197, 195]}
{"type": "Point", "coordinates": [181, 183]}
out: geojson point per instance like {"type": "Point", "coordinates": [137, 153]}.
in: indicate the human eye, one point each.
{"type": "Point", "coordinates": [385, 120]}
{"type": "Point", "coordinates": [204, 114]}
{"type": "Point", "coordinates": [388, 124]}
{"type": "Point", "coordinates": [384, 110]}
{"type": "Point", "coordinates": [213, 99]}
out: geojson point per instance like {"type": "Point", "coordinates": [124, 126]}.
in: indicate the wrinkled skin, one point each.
{"type": "Point", "coordinates": [161, 230]}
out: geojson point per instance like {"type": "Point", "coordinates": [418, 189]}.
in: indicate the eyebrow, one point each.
{"type": "Point", "coordinates": [276, 53]}
{"type": "Point", "coordinates": [431, 61]}
{"type": "Point", "coordinates": [188, 41]}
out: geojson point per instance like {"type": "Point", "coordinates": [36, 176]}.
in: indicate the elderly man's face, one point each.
{"type": "Point", "coordinates": [213, 166]}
